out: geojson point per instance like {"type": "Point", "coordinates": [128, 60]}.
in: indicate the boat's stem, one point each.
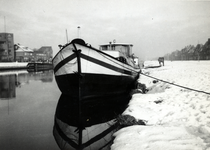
{"type": "Point", "coordinates": [78, 52]}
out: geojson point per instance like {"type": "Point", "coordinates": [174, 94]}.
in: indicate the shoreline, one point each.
{"type": "Point", "coordinates": [13, 65]}
{"type": "Point", "coordinates": [24, 65]}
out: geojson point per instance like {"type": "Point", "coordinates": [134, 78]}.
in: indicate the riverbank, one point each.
{"type": "Point", "coordinates": [175, 117]}
{"type": "Point", "coordinates": [13, 65]}
{"type": "Point", "coordinates": [30, 66]}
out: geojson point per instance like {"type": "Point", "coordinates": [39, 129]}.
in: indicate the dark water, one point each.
{"type": "Point", "coordinates": [28, 104]}
{"type": "Point", "coordinates": [27, 107]}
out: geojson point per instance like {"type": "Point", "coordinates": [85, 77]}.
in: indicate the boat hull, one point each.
{"type": "Point", "coordinates": [84, 72]}
{"type": "Point", "coordinates": [94, 85]}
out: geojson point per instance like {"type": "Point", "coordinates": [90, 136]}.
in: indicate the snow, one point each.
{"type": "Point", "coordinates": [176, 118]}
{"type": "Point", "coordinates": [12, 64]}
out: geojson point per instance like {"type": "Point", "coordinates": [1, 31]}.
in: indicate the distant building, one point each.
{"type": "Point", "coordinates": [23, 53]}
{"type": "Point", "coordinates": [7, 53]}
{"type": "Point", "coordinates": [10, 52]}
{"type": "Point", "coordinates": [44, 54]}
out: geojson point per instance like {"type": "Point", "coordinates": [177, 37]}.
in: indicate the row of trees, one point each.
{"type": "Point", "coordinates": [191, 52]}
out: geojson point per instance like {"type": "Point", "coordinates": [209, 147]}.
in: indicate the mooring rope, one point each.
{"type": "Point", "coordinates": [177, 85]}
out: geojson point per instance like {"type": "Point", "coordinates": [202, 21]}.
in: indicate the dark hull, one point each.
{"type": "Point", "coordinates": [94, 85]}
{"type": "Point", "coordinates": [35, 67]}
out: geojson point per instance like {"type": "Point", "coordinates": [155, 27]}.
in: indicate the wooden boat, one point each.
{"type": "Point", "coordinates": [35, 66]}
{"type": "Point", "coordinates": [91, 80]}
{"type": "Point", "coordinates": [90, 74]}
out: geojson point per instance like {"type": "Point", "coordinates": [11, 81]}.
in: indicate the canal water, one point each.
{"type": "Point", "coordinates": [34, 115]}
{"type": "Point", "coordinates": [27, 107]}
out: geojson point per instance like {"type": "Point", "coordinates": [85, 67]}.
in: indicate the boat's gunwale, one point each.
{"type": "Point", "coordinates": [99, 51]}
{"type": "Point", "coordinates": [122, 69]}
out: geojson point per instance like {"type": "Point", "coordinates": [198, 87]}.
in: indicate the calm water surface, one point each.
{"type": "Point", "coordinates": [27, 107]}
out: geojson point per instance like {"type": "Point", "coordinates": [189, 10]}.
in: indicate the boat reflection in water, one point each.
{"type": "Point", "coordinates": [92, 129]}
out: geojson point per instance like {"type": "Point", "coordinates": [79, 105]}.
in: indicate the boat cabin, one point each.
{"type": "Point", "coordinates": [121, 51]}
{"type": "Point", "coordinates": [117, 49]}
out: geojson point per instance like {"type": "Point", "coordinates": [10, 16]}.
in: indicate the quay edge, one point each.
{"type": "Point", "coordinates": [12, 65]}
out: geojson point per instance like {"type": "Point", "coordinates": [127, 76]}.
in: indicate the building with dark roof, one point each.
{"type": "Point", "coordinates": [23, 53]}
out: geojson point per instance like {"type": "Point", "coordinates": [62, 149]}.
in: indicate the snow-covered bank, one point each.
{"type": "Point", "coordinates": [12, 65]}
{"type": "Point", "coordinates": [176, 118]}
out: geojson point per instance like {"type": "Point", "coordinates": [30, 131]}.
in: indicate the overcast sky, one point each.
{"type": "Point", "coordinates": [154, 27]}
